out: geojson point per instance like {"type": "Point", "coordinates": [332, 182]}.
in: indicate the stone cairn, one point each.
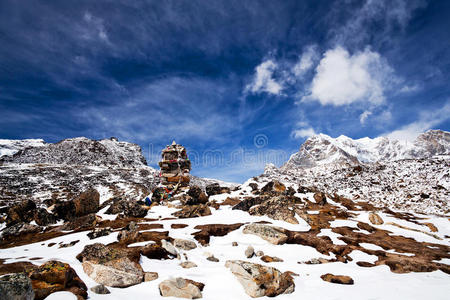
{"type": "Point", "coordinates": [175, 166]}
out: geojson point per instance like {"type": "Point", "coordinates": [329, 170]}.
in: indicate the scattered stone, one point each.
{"type": "Point", "coordinates": [169, 247]}
{"type": "Point", "coordinates": [375, 219]}
{"type": "Point", "coordinates": [99, 232]}
{"type": "Point", "coordinates": [258, 280]}
{"type": "Point", "coordinates": [212, 258]}
{"type": "Point", "coordinates": [184, 244]}
{"type": "Point", "coordinates": [259, 253]}
{"type": "Point", "coordinates": [150, 276]}
{"type": "Point", "coordinates": [234, 244]}
{"type": "Point", "coordinates": [100, 289]}
{"type": "Point", "coordinates": [180, 288]}
{"type": "Point", "coordinates": [272, 234]}
{"type": "Point", "coordinates": [16, 287]}
{"type": "Point", "coordinates": [269, 259]}
{"type": "Point", "coordinates": [340, 279]}
{"type": "Point", "coordinates": [249, 252]}
{"type": "Point", "coordinates": [188, 264]}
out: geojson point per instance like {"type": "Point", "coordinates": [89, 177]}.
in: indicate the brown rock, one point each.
{"type": "Point", "coordinates": [375, 219]}
{"type": "Point", "coordinates": [277, 208]}
{"type": "Point", "coordinates": [86, 203]}
{"type": "Point", "coordinates": [180, 288]}
{"type": "Point", "coordinates": [269, 259]}
{"type": "Point", "coordinates": [193, 211]}
{"type": "Point", "coordinates": [208, 230]}
{"type": "Point", "coordinates": [340, 279]}
{"type": "Point", "coordinates": [150, 276]}
{"type": "Point", "coordinates": [320, 198]}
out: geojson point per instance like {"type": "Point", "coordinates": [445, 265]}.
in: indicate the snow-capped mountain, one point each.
{"type": "Point", "coordinates": [76, 151]}
{"type": "Point", "coordinates": [322, 150]}
{"type": "Point", "coordinates": [10, 147]}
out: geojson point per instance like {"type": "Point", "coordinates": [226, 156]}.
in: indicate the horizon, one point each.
{"type": "Point", "coordinates": [253, 80]}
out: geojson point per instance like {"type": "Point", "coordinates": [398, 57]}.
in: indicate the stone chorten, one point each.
{"type": "Point", "coordinates": [175, 166]}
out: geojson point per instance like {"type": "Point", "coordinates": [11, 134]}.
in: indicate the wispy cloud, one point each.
{"type": "Point", "coordinates": [263, 80]}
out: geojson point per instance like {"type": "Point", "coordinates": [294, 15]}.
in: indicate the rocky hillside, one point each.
{"type": "Point", "coordinates": [79, 151]}
{"type": "Point", "coordinates": [321, 150]}
{"type": "Point", "coordinates": [10, 147]}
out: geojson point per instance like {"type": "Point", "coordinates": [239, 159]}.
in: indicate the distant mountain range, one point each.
{"type": "Point", "coordinates": [321, 149]}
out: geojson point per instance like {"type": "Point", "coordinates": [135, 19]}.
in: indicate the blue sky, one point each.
{"type": "Point", "coordinates": [239, 83]}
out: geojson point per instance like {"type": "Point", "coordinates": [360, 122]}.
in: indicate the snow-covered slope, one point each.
{"type": "Point", "coordinates": [10, 147]}
{"type": "Point", "coordinates": [80, 151]}
{"type": "Point", "coordinates": [321, 149]}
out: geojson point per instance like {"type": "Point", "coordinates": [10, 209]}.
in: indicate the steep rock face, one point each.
{"type": "Point", "coordinates": [320, 150]}
{"type": "Point", "coordinates": [81, 151]}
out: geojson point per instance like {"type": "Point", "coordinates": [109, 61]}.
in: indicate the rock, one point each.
{"type": "Point", "coordinates": [44, 218]}
{"type": "Point", "coordinates": [180, 288]}
{"type": "Point", "coordinates": [320, 198]}
{"type": "Point", "coordinates": [22, 212]}
{"type": "Point", "coordinates": [269, 259]}
{"type": "Point", "coordinates": [215, 189]}
{"type": "Point", "coordinates": [99, 232]}
{"type": "Point", "coordinates": [254, 186]}
{"type": "Point", "coordinates": [188, 264]}
{"type": "Point", "coordinates": [169, 247]}
{"type": "Point", "coordinates": [431, 227]}
{"type": "Point", "coordinates": [19, 229]}
{"type": "Point", "coordinates": [128, 208]}
{"type": "Point", "coordinates": [84, 222]}
{"type": "Point", "coordinates": [273, 187]}
{"type": "Point", "coordinates": [184, 244]}
{"type": "Point", "coordinates": [129, 234]}
{"type": "Point", "coordinates": [109, 266]}
{"type": "Point", "coordinates": [208, 230]}
{"type": "Point", "coordinates": [272, 234]}
{"type": "Point", "coordinates": [340, 279]}
{"type": "Point", "coordinates": [197, 196]}
{"type": "Point", "coordinates": [120, 272]}
{"type": "Point", "coordinates": [277, 208]}
{"type": "Point", "coordinates": [16, 287]}
{"type": "Point", "coordinates": [375, 219]}
{"type": "Point", "coordinates": [212, 258]}
{"type": "Point", "coordinates": [258, 280]}
{"type": "Point", "coordinates": [259, 253]}
{"type": "Point", "coordinates": [193, 211]}
{"type": "Point", "coordinates": [155, 251]}
{"type": "Point", "coordinates": [100, 289]}
{"type": "Point", "coordinates": [55, 276]}
{"type": "Point", "coordinates": [247, 203]}
{"type": "Point", "coordinates": [150, 276]}
{"type": "Point", "coordinates": [86, 203]}
{"type": "Point", "coordinates": [249, 252]}
{"type": "Point", "coordinates": [234, 244]}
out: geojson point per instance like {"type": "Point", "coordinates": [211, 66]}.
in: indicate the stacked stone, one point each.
{"type": "Point", "coordinates": [175, 166]}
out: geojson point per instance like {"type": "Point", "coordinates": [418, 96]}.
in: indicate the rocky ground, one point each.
{"type": "Point", "coordinates": [264, 238]}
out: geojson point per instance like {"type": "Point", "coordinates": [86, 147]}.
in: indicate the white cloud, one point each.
{"type": "Point", "coordinates": [342, 78]}
{"type": "Point", "coordinates": [426, 121]}
{"type": "Point", "coordinates": [263, 80]}
{"type": "Point", "coordinates": [306, 62]}
{"type": "Point", "coordinates": [363, 117]}
{"type": "Point", "coordinates": [303, 133]}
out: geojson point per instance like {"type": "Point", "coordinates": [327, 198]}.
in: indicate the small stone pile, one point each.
{"type": "Point", "coordinates": [175, 166]}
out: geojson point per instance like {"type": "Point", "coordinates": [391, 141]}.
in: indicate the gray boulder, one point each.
{"type": "Point", "coordinates": [16, 287]}
{"type": "Point", "coordinates": [180, 288]}
{"type": "Point", "coordinates": [272, 234]}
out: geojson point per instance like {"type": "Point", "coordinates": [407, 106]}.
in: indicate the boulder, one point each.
{"type": "Point", "coordinates": [249, 252]}
{"type": "Point", "coordinates": [269, 259]}
{"type": "Point", "coordinates": [340, 279]}
{"type": "Point", "coordinates": [121, 272]}
{"type": "Point", "coordinates": [253, 186]}
{"type": "Point", "coordinates": [277, 208]}
{"type": "Point", "coordinates": [197, 196]}
{"type": "Point", "coordinates": [155, 251]}
{"type": "Point", "coordinates": [169, 247]}
{"type": "Point", "coordinates": [55, 276]}
{"type": "Point", "coordinates": [258, 280]}
{"type": "Point", "coordinates": [99, 232]}
{"type": "Point", "coordinates": [44, 218]}
{"type": "Point", "coordinates": [22, 212]}
{"type": "Point", "coordinates": [215, 189]}
{"type": "Point", "coordinates": [272, 234]}
{"type": "Point", "coordinates": [19, 229]}
{"type": "Point", "coordinates": [259, 253]}
{"type": "Point", "coordinates": [100, 289]}
{"type": "Point", "coordinates": [86, 203]}
{"type": "Point", "coordinates": [375, 219]}
{"type": "Point", "coordinates": [129, 234]}
{"type": "Point", "coordinates": [193, 211]}
{"type": "Point", "coordinates": [180, 288]}
{"type": "Point", "coordinates": [127, 208]}
{"type": "Point", "coordinates": [184, 244]}
{"type": "Point", "coordinates": [84, 222]}
{"type": "Point", "coordinates": [247, 203]}
{"type": "Point", "coordinates": [16, 287]}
